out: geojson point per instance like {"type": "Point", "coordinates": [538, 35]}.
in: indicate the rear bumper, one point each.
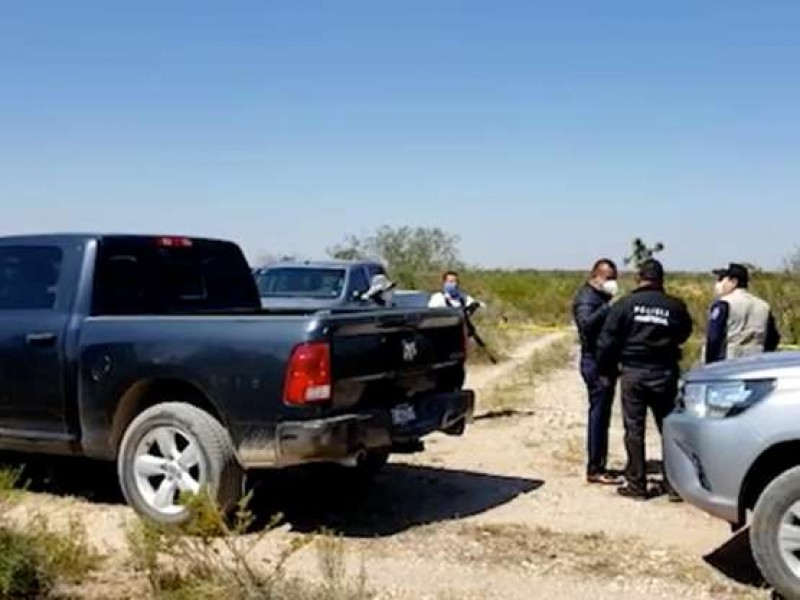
{"type": "Point", "coordinates": [342, 437]}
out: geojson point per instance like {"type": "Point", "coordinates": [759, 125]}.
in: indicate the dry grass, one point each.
{"type": "Point", "coordinates": [602, 556]}
{"type": "Point", "coordinates": [572, 454]}
{"type": "Point", "coordinates": [517, 394]}
{"type": "Point", "coordinates": [209, 558]}
{"type": "Point", "coordinates": [499, 341]}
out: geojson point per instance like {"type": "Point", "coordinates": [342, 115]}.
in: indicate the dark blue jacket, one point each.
{"type": "Point", "coordinates": [590, 309]}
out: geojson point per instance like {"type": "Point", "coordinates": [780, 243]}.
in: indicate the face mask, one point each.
{"type": "Point", "coordinates": [719, 288]}
{"type": "Point", "coordinates": [611, 287]}
{"type": "Point", "coordinates": [451, 288]}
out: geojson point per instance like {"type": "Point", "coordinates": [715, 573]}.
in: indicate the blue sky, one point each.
{"type": "Point", "coordinates": [544, 134]}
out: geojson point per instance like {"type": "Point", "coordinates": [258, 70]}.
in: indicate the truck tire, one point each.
{"type": "Point", "coordinates": [171, 448]}
{"type": "Point", "coordinates": [775, 534]}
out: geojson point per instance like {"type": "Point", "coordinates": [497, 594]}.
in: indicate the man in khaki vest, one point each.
{"type": "Point", "coordinates": [739, 323]}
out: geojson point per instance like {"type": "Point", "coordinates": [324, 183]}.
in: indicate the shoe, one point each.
{"type": "Point", "coordinates": [663, 489]}
{"type": "Point", "coordinates": [604, 479]}
{"type": "Point", "coordinates": [626, 491]}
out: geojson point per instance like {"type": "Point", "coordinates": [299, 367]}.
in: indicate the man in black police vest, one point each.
{"type": "Point", "coordinates": [643, 333]}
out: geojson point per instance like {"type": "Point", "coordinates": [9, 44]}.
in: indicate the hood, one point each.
{"type": "Point", "coordinates": [770, 364]}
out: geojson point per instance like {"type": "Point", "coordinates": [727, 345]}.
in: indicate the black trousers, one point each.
{"type": "Point", "coordinates": [656, 389]}
{"type": "Point", "coordinates": [601, 398]}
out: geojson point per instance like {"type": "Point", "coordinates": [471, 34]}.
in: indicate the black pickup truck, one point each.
{"type": "Point", "coordinates": [155, 352]}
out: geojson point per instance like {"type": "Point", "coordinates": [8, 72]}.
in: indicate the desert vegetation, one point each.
{"type": "Point", "coordinates": [35, 557]}
{"type": "Point", "coordinates": [516, 298]}
{"type": "Point", "coordinates": [218, 557]}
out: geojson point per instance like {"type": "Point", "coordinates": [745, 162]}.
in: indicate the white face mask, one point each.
{"type": "Point", "coordinates": [611, 287]}
{"type": "Point", "coordinates": [719, 288]}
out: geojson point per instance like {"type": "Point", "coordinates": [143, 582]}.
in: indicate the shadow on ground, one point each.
{"type": "Point", "coordinates": [401, 497]}
{"type": "Point", "coordinates": [94, 481]}
{"type": "Point", "coordinates": [734, 559]}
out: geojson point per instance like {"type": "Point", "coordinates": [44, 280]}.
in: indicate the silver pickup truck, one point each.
{"type": "Point", "coordinates": [326, 284]}
{"type": "Point", "coordinates": [732, 448]}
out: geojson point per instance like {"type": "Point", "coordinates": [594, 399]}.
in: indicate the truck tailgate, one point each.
{"type": "Point", "coordinates": [381, 358]}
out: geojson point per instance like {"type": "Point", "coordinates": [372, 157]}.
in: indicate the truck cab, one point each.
{"type": "Point", "coordinates": [326, 284]}
{"type": "Point", "coordinates": [316, 284]}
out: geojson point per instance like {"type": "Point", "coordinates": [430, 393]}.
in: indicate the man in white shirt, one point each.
{"type": "Point", "coordinates": [450, 296]}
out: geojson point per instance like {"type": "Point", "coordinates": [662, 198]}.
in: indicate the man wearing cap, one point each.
{"type": "Point", "coordinates": [739, 323]}
{"type": "Point", "coordinates": [643, 334]}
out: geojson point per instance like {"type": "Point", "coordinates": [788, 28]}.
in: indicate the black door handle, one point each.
{"type": "Point", "coordinates": [40, 339]}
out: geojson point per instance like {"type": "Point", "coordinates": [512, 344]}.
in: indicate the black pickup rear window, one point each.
{"type": "Point", "coordinates": [171, 276]}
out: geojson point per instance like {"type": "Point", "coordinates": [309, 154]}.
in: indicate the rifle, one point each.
{"type": "Point", "coordinates": [473, 332]}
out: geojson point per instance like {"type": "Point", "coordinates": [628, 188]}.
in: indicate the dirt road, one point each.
{"type": "Point", "coordinates": [500, 513]}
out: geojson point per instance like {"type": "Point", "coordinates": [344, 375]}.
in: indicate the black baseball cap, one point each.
{"type": "Point", "coordinates": [734, 271]}
{"type": "Point", "coordinates": [651, 270]}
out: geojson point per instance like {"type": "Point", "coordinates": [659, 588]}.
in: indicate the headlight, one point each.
{"type": "Point", "coordinates": [718, 399]}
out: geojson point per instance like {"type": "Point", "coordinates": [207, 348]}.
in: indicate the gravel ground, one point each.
{"type": "Point", "coordinates": [502, 512]}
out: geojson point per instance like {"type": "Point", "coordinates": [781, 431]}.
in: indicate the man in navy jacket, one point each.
{"type": "Point", "coordinates": [589, 309]}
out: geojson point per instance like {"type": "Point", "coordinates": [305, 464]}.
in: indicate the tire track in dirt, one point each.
{"type": "Point", "coordinates": [483, 378]}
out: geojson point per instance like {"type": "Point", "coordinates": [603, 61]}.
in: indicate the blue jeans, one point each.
{"type": "Point", "coordinates": [601, 398]}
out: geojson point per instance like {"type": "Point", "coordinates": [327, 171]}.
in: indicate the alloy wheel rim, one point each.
{"type": "Point", "coordinates": [167, 463]}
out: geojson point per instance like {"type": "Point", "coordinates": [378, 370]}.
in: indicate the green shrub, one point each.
{"type": "Point", "coordinates": [35, 558]}
{"type": "Point", "coordinates": [545, 297]}
{"type": "Point", "coordinates": [21, 573]}
{"type": "Point", "coordinates": [210, 558]}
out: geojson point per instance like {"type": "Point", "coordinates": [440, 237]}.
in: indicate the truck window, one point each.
{"type": "Point", "coordinates": [146, 276]}
{"type": "Point", "coordinates": [358, 280]}
{"type": "Point", "coordinates": [375, 269]}
{"type": "Point", "coordinates": [299, 281]}
{"type": "Point", "coordinates": [29, 277]}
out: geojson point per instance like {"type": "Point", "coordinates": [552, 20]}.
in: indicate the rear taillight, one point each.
{"type": "Point", "coordinates": [308, 376]}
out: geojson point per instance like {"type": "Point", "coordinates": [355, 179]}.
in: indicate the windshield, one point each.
{"type": "Point", "coordinates": [299, 281]}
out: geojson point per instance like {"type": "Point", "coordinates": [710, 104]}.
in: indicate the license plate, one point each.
{"type": "Point", "coordinates": [403, 414]}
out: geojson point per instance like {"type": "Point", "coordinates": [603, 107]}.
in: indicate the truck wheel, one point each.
{"type": "Point", "coordinates": [775, 534]}
{"type": "Point", "coordinates": [173, 448]}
